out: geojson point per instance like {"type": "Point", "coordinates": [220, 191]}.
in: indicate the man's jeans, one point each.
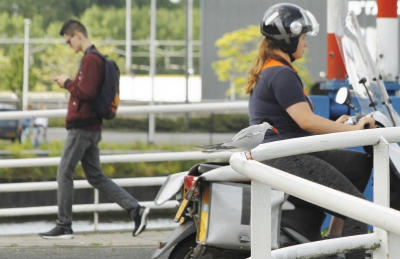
{"type": "Point", "coordinates": [82, 145]}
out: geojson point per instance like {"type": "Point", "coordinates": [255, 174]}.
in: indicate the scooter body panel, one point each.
{"type": "Point", "coordinates": [170, 187]}
{"type": "Point", "coordinates": [181, 232]}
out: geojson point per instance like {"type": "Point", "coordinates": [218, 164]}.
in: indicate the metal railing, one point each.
{"type": "Point", "coordinates": [386, 236]}
{"type": "Point", "coordinates": [143, 109]}
{"type": "Point", "coordinates": [126, 182]}
{"type": "Point", "coordinates": [80, 184]}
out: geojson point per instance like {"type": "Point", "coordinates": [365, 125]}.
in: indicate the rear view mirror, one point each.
{"type": "Point", "coordinates": [343, 96]}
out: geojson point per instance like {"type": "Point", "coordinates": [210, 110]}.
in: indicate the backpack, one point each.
{"type": "Point", "coordinates": [107, 100]}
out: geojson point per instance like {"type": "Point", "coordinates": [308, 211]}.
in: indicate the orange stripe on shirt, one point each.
{"type": "Point", "coordinates": [275, 63]}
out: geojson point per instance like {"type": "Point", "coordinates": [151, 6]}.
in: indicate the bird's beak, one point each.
{"type": "Point", "coordinates": [275, 130]}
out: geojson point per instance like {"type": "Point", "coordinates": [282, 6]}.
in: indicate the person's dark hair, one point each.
{"type": "Point", "coordinates": [70, 26]}
{"type": "Point", "coordinates": [267, 46]}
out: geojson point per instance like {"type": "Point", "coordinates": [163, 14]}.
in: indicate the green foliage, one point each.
{"type": "Point", "coordinates": [303, 72]}
{"type": "Point", "coordinates": [53, 10]}
{"type": "Point", "coordinates": [218, 123]}
{"type": "Point", "coordinates": [105, 23]}
{"type": "Point", "coordinates": [12, 78]}
{"type": "Point", "coordinates": [11, 25]}
{"type": "Point", "coordinates": [115, 170]}
{"type": "Point", "coordinates": [51, 63]}
{"type": "Point", "coordinates": [237, 51]}
{"type": "Point", "coordinates": [103, 19]}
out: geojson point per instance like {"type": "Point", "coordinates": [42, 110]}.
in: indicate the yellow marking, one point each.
{"type": "Point", "coordinates": [203, 228]}
{"type": "Point", "coordinates": [181, 210]}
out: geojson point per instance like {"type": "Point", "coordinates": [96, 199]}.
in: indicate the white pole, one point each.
{"type": "Point", "coordinates": [128, 37]}
{"type": "Point", "coordinates": [387, 29]}
{"type": "Point", "coordinates": [335, 66]}
{"type": "Point", "coordinates": [350, 206]}
{"type": "Point", "coordinates": [381, 191]}
{"type": "Point", "coordinates": [190, 37]}
{"type": "Point", "coordinates": [25, 86]}
{"type": "Point", "coordinates": [152, 67]}
{"type": "Point", "coordinates": [189, 50]}
{"type": "Point", "coordinates": [96, 214]}
{"type": "Point", "coordinates": [232, 85]}
{"type": "Point", "coordinates": [260, 225]}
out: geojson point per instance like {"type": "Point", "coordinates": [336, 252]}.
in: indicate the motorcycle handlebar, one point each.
{"type": "Point", "coordinates": [355, 119]}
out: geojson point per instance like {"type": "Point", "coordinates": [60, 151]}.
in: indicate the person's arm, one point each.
{"type": "Point", "coordinates": [86, 83]}
{"type": "Point", "coordinates": [90, 78]}
{"type": "Point", "coordinates": [307, 120]}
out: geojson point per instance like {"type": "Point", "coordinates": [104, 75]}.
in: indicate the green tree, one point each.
{"type": "Point", "coordinates": [51, 10]}
{"type": "Point", "coordinates": [103, 19]}
{"type": "Point", "coordinates": [59, 58]}
{"type": "Point", "coordinates": [11, 26]}
{"type": "Point", "coordinates": [237, 51]}
{"type": "Point", "coordinates": [11, 72]}
{"type": "Point", "coordinates": [56, 10]}
{"type": "Point", "coordinates": [55, 59]}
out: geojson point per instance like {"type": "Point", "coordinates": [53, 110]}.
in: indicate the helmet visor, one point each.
{"type": "Point", "coordinates": [311, 26]}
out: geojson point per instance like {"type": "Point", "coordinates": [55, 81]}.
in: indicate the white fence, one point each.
{"type": "Point", "coordinates": [385, 240]}
{"type": "Point", "coordinates": [127, 182]}
{"type": "Point", "coordinates": [144, 109]}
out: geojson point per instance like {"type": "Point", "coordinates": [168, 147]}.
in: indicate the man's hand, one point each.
{"type": "Point", "coordinates": [60, 79]}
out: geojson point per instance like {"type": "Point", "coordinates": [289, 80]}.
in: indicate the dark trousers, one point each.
{"type": "Point", "coordinates": [343, 170]}
{"type": "Point", "coordinates": [82, 146]}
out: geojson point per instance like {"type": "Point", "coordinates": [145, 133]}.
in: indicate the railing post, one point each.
{"type": "Point", "coordinates": [381, 191]}
{"type": "Point", "coordinates": [260, 221]}
{"type": "Point", "coordinates": [96, 214]}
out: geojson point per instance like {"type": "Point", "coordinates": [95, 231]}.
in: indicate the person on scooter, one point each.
{"type": "Point", "coordinates": [276, 92]}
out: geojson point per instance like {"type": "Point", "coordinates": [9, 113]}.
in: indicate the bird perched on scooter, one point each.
{"type": "Point", "coordinates": [245, 140]}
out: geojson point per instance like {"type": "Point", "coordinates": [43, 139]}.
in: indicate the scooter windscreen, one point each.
{"type": "Point", "coordinates": [362, 72]}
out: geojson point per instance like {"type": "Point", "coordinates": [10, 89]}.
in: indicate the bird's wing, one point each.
{"type": "Point", "coordinates": [246, 139]}
{"type": "Point", "coordinates": [247, 142]}
{"type": "Point", "coordinates": [244, 132]}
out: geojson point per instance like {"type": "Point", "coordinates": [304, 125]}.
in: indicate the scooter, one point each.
{"type": "Point", "coordinates": [214, 212]}
{"type": "Point", "coordinates": [214, 215]}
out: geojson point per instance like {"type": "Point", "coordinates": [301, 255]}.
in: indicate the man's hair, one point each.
{"type": "Point", "coordinates": [70, 26]}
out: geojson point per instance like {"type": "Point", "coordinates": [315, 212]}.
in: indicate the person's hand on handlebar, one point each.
{"type": "Point", "coordinates": [342, 118]}
{"type": "Point", "coordinates": [366, 123]}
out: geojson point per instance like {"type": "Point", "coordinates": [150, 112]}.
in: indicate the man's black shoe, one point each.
{"type": "Point", "coordinates": [58, 233]}
{"type": "Point", "coordinates": [140, 220]}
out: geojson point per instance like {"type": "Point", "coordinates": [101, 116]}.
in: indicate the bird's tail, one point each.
{"type": "Point", "coordinates": [215, 146]}
{"type": "Point", "coordinates": [210, 151]}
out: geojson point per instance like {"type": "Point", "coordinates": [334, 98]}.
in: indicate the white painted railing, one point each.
{"type": "Point", "coordinates": [144, 109]}
{"type": "Point", "coordinates": [79, 184]}
{"type": "Point", "coordinates": [151, 157]}
{"type": "Point", "coordinates": [125, 158]}
{"type": "Point", "coordinates": [385, 240]}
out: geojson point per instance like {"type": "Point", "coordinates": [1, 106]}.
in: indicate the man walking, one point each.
{"type": "Point", "coordinates": [84, 132]}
